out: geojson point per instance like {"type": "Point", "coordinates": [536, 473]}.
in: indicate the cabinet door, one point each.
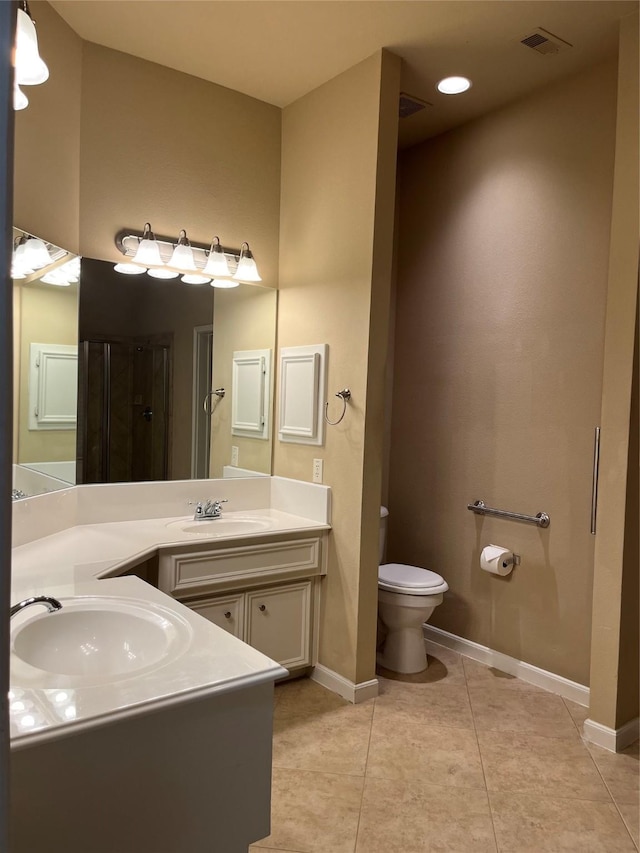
{"type": "Point", "coordinates": [227, 612]}
{"type": "Point", "coordinates": [279, 623]}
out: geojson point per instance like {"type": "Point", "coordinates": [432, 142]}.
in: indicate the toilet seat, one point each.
{"type": "Point", "coordinates": [410, 580]}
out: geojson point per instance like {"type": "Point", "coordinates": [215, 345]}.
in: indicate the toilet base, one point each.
{"type": "Point", "coordinates": [404, 651]}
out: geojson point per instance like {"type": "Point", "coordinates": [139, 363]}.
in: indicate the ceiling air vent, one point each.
{"type": "Point", "coordinates": [544, 42]}
{"type": "Point", "coordinates": [410, 105]}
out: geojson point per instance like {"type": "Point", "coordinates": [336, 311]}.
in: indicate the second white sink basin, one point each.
{"type": "Point", "coordinates": [101, 638]}
{"type": "Point", "coordinates": [214, 527]}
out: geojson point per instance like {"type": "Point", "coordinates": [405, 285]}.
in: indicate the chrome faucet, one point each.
{"type": "Point", "coordinates": [52, 604]}
{"type": "Point", "coordinates": [209, 509]}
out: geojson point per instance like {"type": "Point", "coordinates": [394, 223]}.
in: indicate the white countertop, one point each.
{"type": "Point", "coordinates": [84, 560]}
{"type": "Point", "coordinates": [90, 551]}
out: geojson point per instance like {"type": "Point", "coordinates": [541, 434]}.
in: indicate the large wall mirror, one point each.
{"type": "Point", "coordinates": [140, 378]}
{"type": "Point", "coordinates": [45, 309]}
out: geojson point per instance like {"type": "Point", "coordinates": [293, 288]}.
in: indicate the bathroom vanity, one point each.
{"type": "Point", "coordinates": [163, 743]}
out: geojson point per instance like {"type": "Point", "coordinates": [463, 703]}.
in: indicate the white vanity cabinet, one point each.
{"type": "Point", "coordinates": [264, 591]}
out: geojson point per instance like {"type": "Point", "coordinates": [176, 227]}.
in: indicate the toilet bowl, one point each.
{"type": "Point", "coordinates": [407, 596]}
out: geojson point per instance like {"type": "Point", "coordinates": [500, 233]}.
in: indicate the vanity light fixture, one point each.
{"type": "Point", "coordinates": [217, 264]}
{"type": "Point", "coordinates": [454, 85]}
{"type": "Point", "coordinates": [30, 68]}
{"type": "Point", "coordinates": [247, 269]}
{"type": "Point", "coordinates": [182, 257]}
{"type": "Point", "coordinates": [196, 263]}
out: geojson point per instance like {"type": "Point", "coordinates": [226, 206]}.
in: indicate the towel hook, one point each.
{"type": "Point", "coordinates": [345, 395]}
{"type": "Point", "coordinates": [219, 393]}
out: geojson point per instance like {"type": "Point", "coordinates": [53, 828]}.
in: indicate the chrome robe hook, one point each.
{"type": "Point", "coordinates": [345, 396]}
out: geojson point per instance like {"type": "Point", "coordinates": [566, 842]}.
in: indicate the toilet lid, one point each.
{"type": "Point", "coordinates": [397, 577]}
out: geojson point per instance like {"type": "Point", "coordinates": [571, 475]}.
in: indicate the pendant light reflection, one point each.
{"type": "Point", "coordinates": [129, 269]}
{"type": "Point", "coordinates": [195, 278]}
{"type": "Point", "coordinates": [247, 269]}
{"type": "Point", "coordinates": [20, 100]}
{"type": "Point", "coordinates": [224, 283]}
{"type": "Point", "coordinates": [163, 273]}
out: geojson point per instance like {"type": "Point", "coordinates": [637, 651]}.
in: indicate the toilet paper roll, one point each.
{"type": "Point", "coordinates": [496, 559]}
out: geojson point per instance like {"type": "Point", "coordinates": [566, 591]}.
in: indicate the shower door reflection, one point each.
{"type": "Point", "coordinates": [123, 410]}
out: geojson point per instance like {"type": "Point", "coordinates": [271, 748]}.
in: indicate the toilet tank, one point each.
{"type": "Point", "coordinates": [384, 513]}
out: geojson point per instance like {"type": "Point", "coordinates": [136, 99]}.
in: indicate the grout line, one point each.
{"type": "Point", "coordinates": [364, 782]}
{"type": "Point", "coordinates": [613, 799]}
{"type": "Point", "coordinates": [484, 775]}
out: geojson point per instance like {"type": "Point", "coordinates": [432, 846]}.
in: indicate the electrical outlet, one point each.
{"type": "Point", "coordinates": [234, 455]}
{"type": "Point", "coordinates": [317, 470]}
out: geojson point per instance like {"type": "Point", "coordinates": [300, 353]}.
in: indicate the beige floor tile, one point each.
{"type": "Point", "coordinates": [526, 824]}
{"type": "Point", "coordinates": [313, 812]}
{"type": "Point", "coordinates": [478, 674]}
{"type": "Point", "coordinates": [631, 816]}
{"type": "Point", "coordinates": [412, 817]}
{"type": "Point", "coordinates": [404, 747]}
{"type": "Point", "coordinates": [272, 849]}
{"type": "Point", "coordinates": [445, 706]}
{"type": "Point", "coordinates": [329, 743]}
{"type": "Point", "coordinates": [579, 713]}
{"type": "Point", "coordinates": [620, 771]}
{"type": "Point", "coordinates": [304, 698]}
{"type": "Point", "coordinates": [497, 710]}
{"type": "Point", "coordinates": [553, 767]}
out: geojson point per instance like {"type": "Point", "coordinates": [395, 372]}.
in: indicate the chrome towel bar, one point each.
{"type": "Point", "coordinates": [480, 508]}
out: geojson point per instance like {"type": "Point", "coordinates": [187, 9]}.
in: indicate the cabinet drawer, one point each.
{"type": "Point", "coordinates": [279, 623]}
{"type": "Point", "coordinates": [190, 574]}
{"type": "Point", "coordinates": [227, 612]}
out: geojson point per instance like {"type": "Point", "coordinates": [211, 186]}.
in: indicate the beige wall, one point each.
{"type": "Point", "coordinates": [333, 202]}
{"type": "Point", "coordinates": [47, 138]}
{"type": "Point", "coordinates": [614, 697]}
{"type": "Point", "coordinates": [161, 146]}
{"type": "Point", "coordinates": [504, 239]}
{"type": "Point", "coordinates": [244, 318]}
{"type": "Point", "coordinates": [49, 315]}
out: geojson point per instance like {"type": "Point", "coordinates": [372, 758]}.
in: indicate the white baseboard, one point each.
{"type": "Point", "coordinates": [354, 693]}
{"type": "Point", "coordinates": [615, 740]}
{"type": "Point", "coordinates": [525, 671]}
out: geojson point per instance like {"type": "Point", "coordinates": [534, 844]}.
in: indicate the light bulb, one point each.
{"type": "Point", "coordinates": [31, 70]}
{"type": "Point", "coordinates": [454, 85]}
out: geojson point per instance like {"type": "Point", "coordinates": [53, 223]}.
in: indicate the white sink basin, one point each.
{"type": "Point", "coordinates": [101, 638]}
{"type": "Point", "coordinates": [213, 527]}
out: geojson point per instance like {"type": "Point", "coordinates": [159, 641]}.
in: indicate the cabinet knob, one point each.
{"type": "Point", "coordinates": [262, 607]}
{"type": "Point", "coordinates": [227, 614]}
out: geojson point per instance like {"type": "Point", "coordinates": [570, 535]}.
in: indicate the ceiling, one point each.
{"type": "Point", "coordinates": [278, 50]}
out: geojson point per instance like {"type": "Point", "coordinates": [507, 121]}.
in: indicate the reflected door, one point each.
{"type": "Point", "coordinates": [123, 412]}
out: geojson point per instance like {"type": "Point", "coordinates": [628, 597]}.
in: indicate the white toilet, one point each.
{"type": "Point", "coordinates": [407, 596]}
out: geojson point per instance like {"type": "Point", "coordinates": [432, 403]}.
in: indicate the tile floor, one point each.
{"type": "Point", "coordinates": [461, 758]}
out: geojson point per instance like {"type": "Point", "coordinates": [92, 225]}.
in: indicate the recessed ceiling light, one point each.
{"type": "Point", "coordinates": [453, 85]}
